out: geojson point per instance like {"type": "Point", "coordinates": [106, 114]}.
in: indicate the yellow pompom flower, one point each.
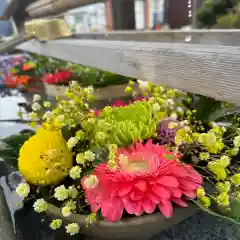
{"type": "Point", "coordinates": [45, 159]}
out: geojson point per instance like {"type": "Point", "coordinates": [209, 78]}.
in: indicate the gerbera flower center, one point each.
{"type": "Point", "coordinates": [136, 165]}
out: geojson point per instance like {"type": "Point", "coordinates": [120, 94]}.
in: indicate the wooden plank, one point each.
{"type": "Point", "coordinates": [14, 7]}
{"type": "Point", "coordinates": [203, 69]}
{"type": "Point", "coordinates": [10, 45]}
{"type": "Point", "coordinates": [228, 37]}
{"type": "Point", "coordinates": [44, 8]}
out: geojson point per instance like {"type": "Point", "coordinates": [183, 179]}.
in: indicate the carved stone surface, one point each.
{"type": "Point", "coordinates": [32, 226]}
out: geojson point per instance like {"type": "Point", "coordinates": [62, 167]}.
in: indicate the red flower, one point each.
{"type": "Point", "coordinates": [58, 77]}
{"type": "Point", "coordinates": [50, 78]}
{"type": "Point", "coordinates": [146, 176]}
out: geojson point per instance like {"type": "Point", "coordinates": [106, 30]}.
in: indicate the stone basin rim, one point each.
{"type": "Point", "coordinates": [126, 222]}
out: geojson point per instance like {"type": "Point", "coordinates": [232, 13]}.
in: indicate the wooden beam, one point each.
{"type": "Point", "coordinates": [15, 9]}
{"type": "Point", "coordinates": [203, 69]}
{"type": "Point", "coordinates": [229, 37]}
{"type": "Point", "coordinates": [9, 46]}
{"type": "Point", "coordinates": [44, 8]}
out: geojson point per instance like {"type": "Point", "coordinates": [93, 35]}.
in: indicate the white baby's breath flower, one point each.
{"type": "Point", "coordinates": [22, 190]}
{"type": "Point", "coordinates": [143, 85]}
{"type": "Point", "coordinates": [80, 158]}
{"type": "Point", "coordinates": [72, 102]}
{"type": "Point", "coordinates": [180, 110]}
{"type": "Point", "coordinates": [36, 107]}
{"type": "Point", "coordinates": [40, 205]}
{"type": "Point", "coordinates": [66, 211]}
{"type": "Point", "coordinates": [60, 118]}
{"type": "Point", "coordinates": [236, 141]}
{"type": "Point", "coordinates": [89, 155]}
{"type": "Point", "coordinates": [75, 172]}
{"type": "Point", "coordinates": [89, 89]}
{"type": "Point", "coordinates": [72, 229]}
{"type": "Point", "coordinates": [86, 105]}
{"type": "Point", "coordinates": [47, 115]}
{"type": "Point", "coordinates": [72, 192]}
{"type": "Point", "coordinates": [169, 102]}
{"type": "Point", "coordinates": [33, 116]}
{"type": "Point", "coordinates": [74, 84]}
{"type": "Point", "coordinates": [156, 107]}
{"type": "Point", "coordinates": [72, 142]}
{"type": "Point", "coordinates": [71, 204]}
{"type": "Point", "coordinates": [47, 104]}
{"type": "Point", "coordinates": [61, 193]}
{"type": "Point", "coordinates": [55, 224]}
{"type": "Point", "coordinates": [36, 98]}
{"type": "Point", "coordinates": [91, 181]}
{"type": "Point", "coordinates": [173, 115]}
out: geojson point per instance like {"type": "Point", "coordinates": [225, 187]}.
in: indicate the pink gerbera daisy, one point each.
{"type": "Point", "coordinates": [145, 177]}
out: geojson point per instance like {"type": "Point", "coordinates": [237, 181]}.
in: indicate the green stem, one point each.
{"type": "Point", "coordinates": [215, 214]}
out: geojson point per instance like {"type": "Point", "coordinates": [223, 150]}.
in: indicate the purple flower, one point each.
{"type": "Point", "coordinates": [167, 129]}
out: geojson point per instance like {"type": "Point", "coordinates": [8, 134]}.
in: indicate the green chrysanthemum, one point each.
{"type": "Point", "coordinates": [125, 125]}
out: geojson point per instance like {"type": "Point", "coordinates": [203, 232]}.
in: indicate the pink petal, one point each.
{"type": "Point", "coordinates": [136, 195]}
{"type": "Point", "coordinates": [166, 209]}
{"type": "Point", "coordinates": [141, 185]}
{"type": "Point", "coordinates": [180, 202]}
{"type": "Point", "coordinates": [129, 205]}
{"type": "Point", "coordinates": [95, 207]}
{"type": "Point", "coordinates": [148, 206]}
{"type": "Point", "coordinates": [154, 198]}
{"type": "Point", "coordinates": [161, 191]}
{"type": "Point", "coordinates": [112, 210]}
{"type": "Point", "coordinates": [190, 194]}
{"type": "Point", "coordinates": [168, 181]}
{"type": "Point", "coordinates": [188, 184]}
{"type": "Point", "coordinates": [176, 192]}
{"type": "Point", "coordinates": [138, 210]}
{"type": "Point", "coordinates": [124, 190]}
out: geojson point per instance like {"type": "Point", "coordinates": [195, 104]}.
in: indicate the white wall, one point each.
{"type": "Point", "coordinates": [87, 18]}
{"type": "Point", "coordinates": [139, 14]}
{"type": "Point", "coordinates": [156, 6]}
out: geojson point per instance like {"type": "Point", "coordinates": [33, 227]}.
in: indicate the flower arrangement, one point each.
{"type": "Point", "coordinates": [14, 70]}
{"type": "Point", "coordinates": [131, 159]}
{"type": "Point", "coordinates": [56, 71]}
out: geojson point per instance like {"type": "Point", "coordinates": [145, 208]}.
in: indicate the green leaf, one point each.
{"type": "Point", "coordinates": [10, 147]}
{"type": "Point", "coordinates": [169, 156]}
{"type": "Point", "coordinates": [208, 109]}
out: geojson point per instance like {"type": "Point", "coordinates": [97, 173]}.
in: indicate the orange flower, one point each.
{"type": "Point", "coordinates": [13, 81]}
{"type": "Point", "coordinates": [28, 66]}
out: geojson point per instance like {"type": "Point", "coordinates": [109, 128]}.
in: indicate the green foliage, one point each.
{"type": "Point", "coordinates": [212, 9]}
{"type": "Point", "coordinates": [95, 77]}
{"type": "Point", "coordinates": [209, 109]}
{"type": "Point", "coordinates": [231, 20]}
{"type": "Point", "coordinates": [10, 146]}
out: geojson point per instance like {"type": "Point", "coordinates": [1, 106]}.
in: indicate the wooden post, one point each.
{"type": "Point", "coordinates": [146, 14]}
{"type": "Point", "coordinates": [194, 13]}
{"type": "Point", "coordinates": [123, 14]}
{"type": "Point", "coordinates": [108, 14]}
